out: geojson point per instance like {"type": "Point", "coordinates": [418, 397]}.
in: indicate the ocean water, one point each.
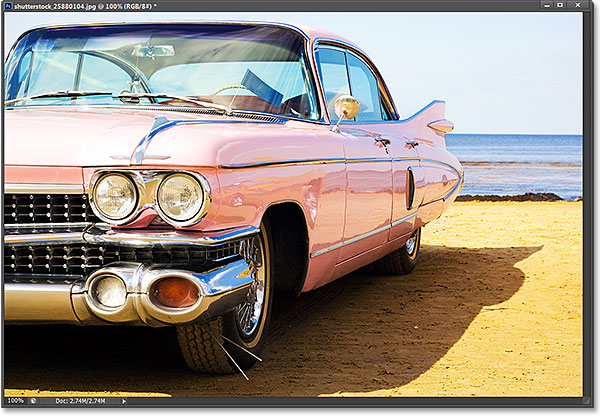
{"type": "Point", "coordinates": [513, 164]}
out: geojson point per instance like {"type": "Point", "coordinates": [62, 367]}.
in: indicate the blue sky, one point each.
{"type": "Point", "coordinates": [498, 72]}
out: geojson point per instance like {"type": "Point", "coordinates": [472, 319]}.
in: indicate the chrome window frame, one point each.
{"type": "Point", "coordinates": [348, 48]}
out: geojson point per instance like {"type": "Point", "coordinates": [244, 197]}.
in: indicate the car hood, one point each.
{"type": "Point", "coordinates": [87, 136]}
{"type": "Point", "coordinates": [72, 137]}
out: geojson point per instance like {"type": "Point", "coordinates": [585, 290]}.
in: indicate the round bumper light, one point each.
{"type": "Point", "coordinates": [109, 291]}
{"type": "Point", "coordinates": [180, 198]}
{"type": "Point", "coordinates": [115, 196]}
{"type": "Point", "coordinates": [175, 292]}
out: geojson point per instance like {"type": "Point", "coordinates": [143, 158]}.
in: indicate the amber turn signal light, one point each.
{"type": "Point", "coordinates": [175, 292]}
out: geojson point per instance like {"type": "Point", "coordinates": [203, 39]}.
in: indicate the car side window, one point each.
{"type": "Point", "coordinates": [334, 76]}
{"type": "Point", "coordinates": [365, 89]}
{"type": "Point", "coordinates": [98, 74]}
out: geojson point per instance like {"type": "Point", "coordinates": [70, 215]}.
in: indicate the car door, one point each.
{"type": "Point", "coordinates": [368, 165]}
{"type": "Point", "coordinates": [376, 116]}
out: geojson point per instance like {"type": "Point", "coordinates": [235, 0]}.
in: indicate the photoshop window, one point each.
{"type": "Point", "coordinates": [325, 204]}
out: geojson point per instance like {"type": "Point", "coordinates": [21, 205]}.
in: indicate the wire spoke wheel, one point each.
{"type": "Point", "coordinates": [248, 314]}
{"type": "Point", "coordinates": [411, 244]}
{"type": "Point", "coordinates": [232, 341]}
{"type": "Point", "coordinates": [403, 260]}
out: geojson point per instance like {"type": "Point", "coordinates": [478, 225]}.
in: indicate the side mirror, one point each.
{"type": "Point", "coordinates": [346, 108]}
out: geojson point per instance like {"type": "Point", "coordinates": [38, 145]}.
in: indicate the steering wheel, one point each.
{"type": "Point", "coordinates": [227, 87]}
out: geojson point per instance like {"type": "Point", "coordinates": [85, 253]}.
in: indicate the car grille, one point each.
{"type": "Point", "coordinates": [32, 209]}
{"type": "Point", "coordinates": [82, 259]}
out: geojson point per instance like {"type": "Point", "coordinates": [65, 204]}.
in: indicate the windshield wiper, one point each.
{"type": "Point", "coordinates": [224, 109]}
{"type": "Point", "coordinates": [58, 94]}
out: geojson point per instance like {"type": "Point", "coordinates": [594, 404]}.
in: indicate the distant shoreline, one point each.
{"type": "Point", "coordinates": [515, 134]}
{"type": "Point", "coordinates": [529, 196]}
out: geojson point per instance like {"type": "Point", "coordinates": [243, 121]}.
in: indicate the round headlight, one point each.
{"type": "Point", "coordinates": [180, 197]}
{"type": "Point", "coordinates": [115, 196]}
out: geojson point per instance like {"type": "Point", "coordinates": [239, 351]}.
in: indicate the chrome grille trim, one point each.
{"type": "Point", "coordinates": [73, 260]}
{"type": "Point", "coordinates": [45, 227]}
{"type": "Point", "coordinates": [29, 240]}
{"type": "Point", "coordinates": [51, 279]}
{"type": "Point", "coordinates": [27, 188]}
{"type": "Point", "coordinates": [42, 209]}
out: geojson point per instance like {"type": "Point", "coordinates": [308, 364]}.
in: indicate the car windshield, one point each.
{"type": "Point", "coordinates": [240, 66]}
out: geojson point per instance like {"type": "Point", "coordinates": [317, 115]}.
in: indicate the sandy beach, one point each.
{"type": "Point", "coordinates": [493, 309]}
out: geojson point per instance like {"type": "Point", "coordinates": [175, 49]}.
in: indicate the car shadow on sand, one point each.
{"type": "Point", "coordinates": [362, 333]}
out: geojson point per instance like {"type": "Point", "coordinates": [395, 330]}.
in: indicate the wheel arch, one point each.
{"type": "Point", "coordinates": [289, 234]}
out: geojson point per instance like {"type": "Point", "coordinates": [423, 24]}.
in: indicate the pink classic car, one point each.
{"type": "Point", "coordinates": [185, 173]}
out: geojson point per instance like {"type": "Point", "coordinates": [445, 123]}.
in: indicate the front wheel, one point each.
{"type": "Point", "coordinates": [211, 347]}
{"type": "Point", "coordinates": [403, 260]}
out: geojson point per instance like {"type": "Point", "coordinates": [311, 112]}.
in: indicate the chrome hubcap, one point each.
{"type": "Point", "coordinates": [411, 244]}
{"type": "Point", "coordinates": [249, 313]}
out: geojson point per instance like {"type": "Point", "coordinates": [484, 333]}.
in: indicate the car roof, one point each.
{"type": "Point", "coordinates": [310, 32]}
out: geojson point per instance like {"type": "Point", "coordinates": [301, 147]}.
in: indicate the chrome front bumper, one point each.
{"type": "Point", "coordinates": [222, 286]}
{"type": "Point", "coordinates": [103, 234]}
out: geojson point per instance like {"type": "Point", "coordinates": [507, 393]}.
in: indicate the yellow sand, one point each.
{"type": "Point", "coordinates": [494, 308]}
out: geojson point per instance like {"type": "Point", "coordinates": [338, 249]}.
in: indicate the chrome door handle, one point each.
{"type": "Point", "coordinates": [383, 141]}
{"type": "Point", "coordinates": [412, 143]}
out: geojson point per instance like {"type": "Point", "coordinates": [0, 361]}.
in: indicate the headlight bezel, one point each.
{"type": "Point", "coordinates": [205, 203]}
{"type": "Point", "coordinates": [99, 212]}
{"type": "Point", "coordinates": [147, 183]}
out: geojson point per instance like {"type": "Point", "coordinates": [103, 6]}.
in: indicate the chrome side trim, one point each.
{"type": "Point", "coordinates": [107, 236]}
{"type": "Point", "coordinates": [295, 162]}
{"type": "Point", "coordinates": [369, 160]}
{"type": "Point", "coordinates": [362, 236]}
{"type": "Point", "coordinates": [349, 241]}
{"type": "Point", "coordinates": [30, 188]}
{"type": "Point", "coordinates": [404, 219]}
{"type": "Point", "coordinates": [458, 172]}
{"type": "Point", "coordinates": [457, 188]}
{"type": "Point", "coordinates": [461, 176]}
{"type": "Point", "coordinates": [282, 163]}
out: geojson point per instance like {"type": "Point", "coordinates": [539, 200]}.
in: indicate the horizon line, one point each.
{"type": "Point", "coordinates": [517, 134]}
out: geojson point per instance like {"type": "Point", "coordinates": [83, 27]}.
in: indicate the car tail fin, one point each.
{"type": "Point", "coordinates": [430, 123]}
{"type": "Point", "coordinates": [441, 126]}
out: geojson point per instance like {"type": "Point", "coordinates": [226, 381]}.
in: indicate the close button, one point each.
{"type": "Point", "coordinates": [578, 4]}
